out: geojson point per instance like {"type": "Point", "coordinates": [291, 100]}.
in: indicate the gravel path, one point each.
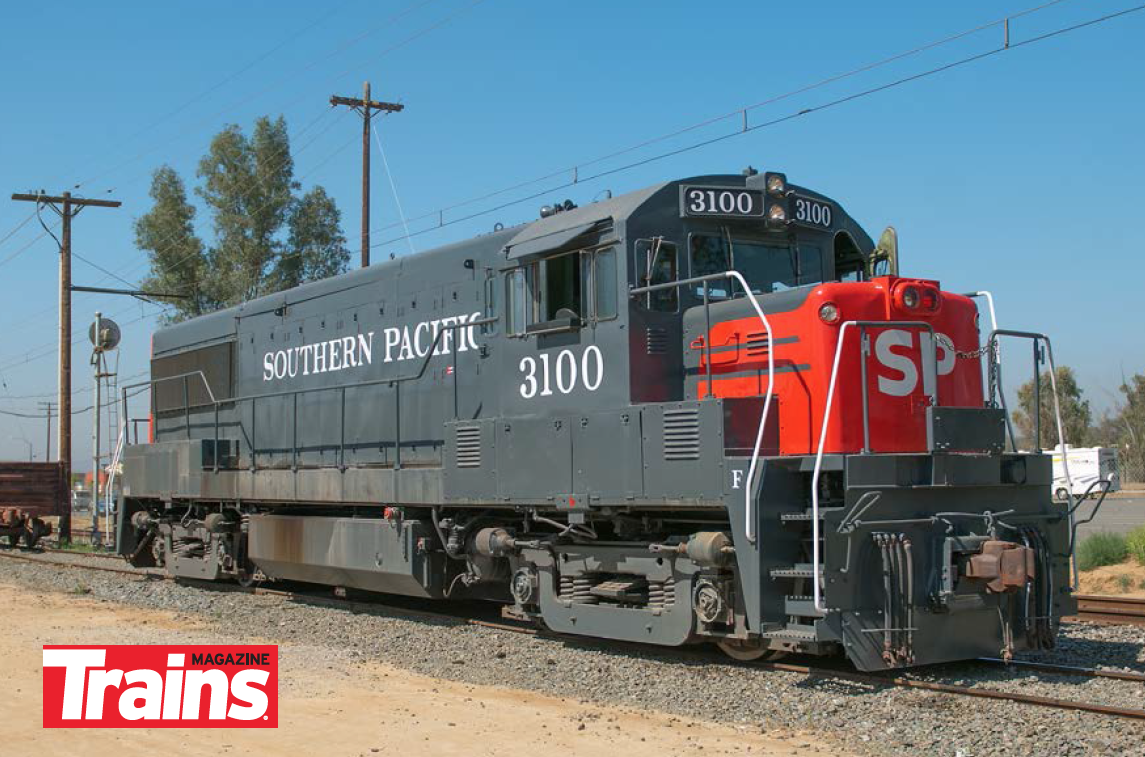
{"type": "Point", "coordinates": [867, 719]}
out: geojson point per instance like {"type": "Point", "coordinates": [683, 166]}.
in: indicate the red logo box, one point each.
{"type": "Point", "coordinates": [160, 686]}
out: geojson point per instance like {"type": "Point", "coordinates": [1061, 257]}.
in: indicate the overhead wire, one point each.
{"type": "Point", "coordinates": [574, 170]}
{"type": "Point", "coordinates": [393, 187]}
{"type": "Point", "coordinates": [746, 129]}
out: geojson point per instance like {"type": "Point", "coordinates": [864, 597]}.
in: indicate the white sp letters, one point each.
{"type": "Point", "coordinates": [905, 370]}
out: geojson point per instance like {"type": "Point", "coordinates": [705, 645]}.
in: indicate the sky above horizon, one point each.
{"type": "Point", "coordinates": [1017, 173]}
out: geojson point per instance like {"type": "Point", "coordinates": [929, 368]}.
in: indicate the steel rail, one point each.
{"type": "Point", "coordinates": [1110, 609]}
{"type": "Point", "coordinates": [781, 667]}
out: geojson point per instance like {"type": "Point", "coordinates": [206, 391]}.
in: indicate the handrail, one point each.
{"type": "Point", "coordinates": [816, 592]}
{"type": "Point", "coordinates": [749, 512]}
{"type": "Point", "coordinates": [995, 383]}
{"type": "Point", "coordinates": [994, 358]}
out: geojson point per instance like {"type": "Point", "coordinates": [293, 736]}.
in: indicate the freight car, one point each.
{"type": "Point", "coordinates": [708, 410]}
{"type": "Point", "coordinates": [30, 492]}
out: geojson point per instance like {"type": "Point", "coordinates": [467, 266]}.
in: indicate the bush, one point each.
{"type": "Point", "coordinates": [1135, 543]}
{"type": "Point", "coordinates": [1102, 549]}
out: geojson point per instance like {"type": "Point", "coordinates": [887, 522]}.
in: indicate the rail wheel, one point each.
{"type": "Point", "coordinates": [14, 540]}
{"type": "Point", "coordinates": [748, 651]}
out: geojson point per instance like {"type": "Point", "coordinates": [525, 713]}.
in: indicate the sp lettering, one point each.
{"type": "Point", "coordinates": [160, 686]}
{"type": "Point", "coordinates": [896, 350]}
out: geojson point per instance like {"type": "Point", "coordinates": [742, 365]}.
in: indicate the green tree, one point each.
{"type": "Point", "coordinates": [266, 238]}
{"type": "Point", "coordinates": [178, 260]}
{"type": "Point", "coordinates": [1076, 414]}
{"type": "Point", "coordinates": [1131, 429]}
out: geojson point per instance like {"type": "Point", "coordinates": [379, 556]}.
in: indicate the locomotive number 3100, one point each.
{"type": "Point", "coordinates": [565, 375]}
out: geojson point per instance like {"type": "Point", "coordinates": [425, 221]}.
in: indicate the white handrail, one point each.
{"type": "Point", "coordinates": [749, 524]}
{"type": "Point", "coordinates": [816, 594]}
{"type": "Point", "coordinates": [112, 468]}
{"type": "Point", "coordinates": [989, 304]}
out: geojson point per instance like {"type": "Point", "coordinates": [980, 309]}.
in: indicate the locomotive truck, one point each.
{"type": "Point", "coordinates": [710, 410]}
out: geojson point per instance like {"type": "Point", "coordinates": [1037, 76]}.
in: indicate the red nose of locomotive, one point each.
{"type": "Point", "coordinates": [909, 343]}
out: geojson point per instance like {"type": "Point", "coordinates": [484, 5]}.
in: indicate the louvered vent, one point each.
{"type": "Point", "coordinates": [468, 446]}
{"type": "Point", "coordinates": [757, 344]}
{"type": "Point", "coordinates": [656, 340]}
{"type": "Point", "coordinates": [682, 434]}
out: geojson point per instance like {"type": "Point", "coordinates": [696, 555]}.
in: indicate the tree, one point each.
{"type": "Point", "coordinates": [265, 237]}
{"type": "Point", "coordinates": [1076, 414]}
{"type": "Point", "coordinates": [1131, 428]}
{"type": "Point", "coordinates": [178, 262]}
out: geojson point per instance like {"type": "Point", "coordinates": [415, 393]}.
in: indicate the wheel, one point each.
{"type": "Point", "coordinates": [14, 540]}
{"type": "Point", "coordinates": [748, 651]}
{"type": "Point", "coordinates": [1062, 494]}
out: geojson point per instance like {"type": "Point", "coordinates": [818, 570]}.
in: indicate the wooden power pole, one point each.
{"type": "Point", "coordinates": [67, 207]}
{"type": "Point", "coordinates": [366, 107]}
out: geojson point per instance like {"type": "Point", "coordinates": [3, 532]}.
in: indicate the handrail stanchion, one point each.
{"type": "Point", "coordinates": [294, 434]}
{"type": "Point", "coordinates": [186, 408]}
{"type": "Point", "coordinates": [864, 353]}
{"type": "Point", "coordinates": [1042, 338]}
{"type": "Point", "coordinates": [816, 592]}
{"type": "Point", "coordinates": [708, 337]}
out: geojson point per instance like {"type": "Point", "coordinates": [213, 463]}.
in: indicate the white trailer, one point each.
{"type": "Point", "coordinates": [1086, 465]}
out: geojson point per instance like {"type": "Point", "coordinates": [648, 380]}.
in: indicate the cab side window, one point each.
{"type": "Point", "coordinates": [577, 285]}
{"type": "Point", "coordinates": [661, 266]}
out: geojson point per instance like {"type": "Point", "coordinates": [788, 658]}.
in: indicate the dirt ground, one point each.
{"type": "Point", "coordinates": [330, 706]}
{"type": "Point", "coordinates": [1126, 579]}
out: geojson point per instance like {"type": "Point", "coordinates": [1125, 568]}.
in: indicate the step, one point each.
{"type": "Point", "coordinates": [803, 607]}
{"type": "Point", "coordinates": [799, 570]}
{"type": "Point", "coordinates": [805, 516]}
{"type": "Point", "coordinates": [792, 633]}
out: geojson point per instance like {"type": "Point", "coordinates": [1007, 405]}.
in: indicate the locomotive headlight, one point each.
{"type": "Point", "coordinates": [776, 184]}
{"type": "Point", "coordinates": [910, 298]}
{"type": "Point", "coordinates": [776, 214]}
{"type": "Point", "coordinates": [829, 312]}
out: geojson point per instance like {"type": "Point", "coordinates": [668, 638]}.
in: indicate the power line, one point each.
{"type": "Point", "coordinates": [745, 128]}
{"type": "Point", "coordinates": [288, 78]}
{"type": "Point", "coordinates": [18, 226]}
{"type": "Point", "coordinates": [574, 170]}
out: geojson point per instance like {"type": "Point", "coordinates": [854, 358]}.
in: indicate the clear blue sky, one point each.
{"type": "Point", "coordinates": [1019, 173]}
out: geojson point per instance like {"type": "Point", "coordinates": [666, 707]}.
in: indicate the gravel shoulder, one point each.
{"type": "Point", "coordinates": [842, 717]}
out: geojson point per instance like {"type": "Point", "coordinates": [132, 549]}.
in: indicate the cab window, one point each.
{"type": "Point", "coordinates": [661, 266]}
{"type": "Point", "coordinates": [767, 268]}
{"type": "Point", "coordinates": [579, 285]}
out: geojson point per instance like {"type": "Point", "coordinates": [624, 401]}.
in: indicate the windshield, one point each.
{"type": "Point", "coordinates": [767, 268]}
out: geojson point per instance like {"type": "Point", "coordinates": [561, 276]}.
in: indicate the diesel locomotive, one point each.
{"type": "Point", "coordinates": [710, 410]}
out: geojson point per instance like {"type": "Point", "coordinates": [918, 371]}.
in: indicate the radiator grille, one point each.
{"type": "Point", "coordinates": [468, 446]}
{"type": "Point", "coordinates": [656, 340]}
{"type": "Point", "coordinates": [682, 434]}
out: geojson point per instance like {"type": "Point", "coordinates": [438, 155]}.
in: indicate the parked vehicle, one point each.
{"type": "Point", "coordinates": [1086, 465]}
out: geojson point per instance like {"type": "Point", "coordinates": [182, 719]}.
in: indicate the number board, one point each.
{"type": "Point", "coordinates": [813, 213]}
{"type": "Point", "coordinates": [722, 202]}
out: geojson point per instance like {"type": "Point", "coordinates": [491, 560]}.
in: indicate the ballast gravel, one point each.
{"type": "Point", "coordinates": [863, 718]}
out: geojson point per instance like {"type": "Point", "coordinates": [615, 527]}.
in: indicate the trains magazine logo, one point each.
{"type": "Point", "coordinates": [160, 686]}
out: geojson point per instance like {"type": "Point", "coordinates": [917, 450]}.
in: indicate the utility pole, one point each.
{"type": "Point", "coordinates": [365, 107]}
{"type": "Point", "coordinates": [48, 443]}
{"type": "Point", "coordinates": [66, 207]}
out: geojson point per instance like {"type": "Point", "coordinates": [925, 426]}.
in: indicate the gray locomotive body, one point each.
{"type": "Point", "coordinates": [590, 419]}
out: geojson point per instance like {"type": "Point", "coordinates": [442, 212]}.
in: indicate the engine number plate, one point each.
{"type": "Point", "coordinates": [722, 202]}
{"type": "Point", "coordinates": [813, 213]}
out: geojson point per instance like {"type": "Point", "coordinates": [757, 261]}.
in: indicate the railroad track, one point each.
{"type": "Point", "coordinates": [1091, 607]}
{"type": "Point", "coordinates": [877, 679]}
